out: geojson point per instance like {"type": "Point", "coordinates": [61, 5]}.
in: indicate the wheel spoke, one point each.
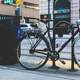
{"type": "Point", "coordinates": [36, 58]}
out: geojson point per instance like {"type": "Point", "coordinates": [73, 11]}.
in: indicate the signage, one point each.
{"type": "Point", "coordinates": [7, 1]}
{"type": "Point", "coordinates": [18, 2]}
{"type": "Point", "coordinates": [62, 12]}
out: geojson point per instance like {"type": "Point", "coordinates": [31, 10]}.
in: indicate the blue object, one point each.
{"type": "Point", "coordinates": [17, 11]}
{"type": "Point", "coordinates": [18, 32]}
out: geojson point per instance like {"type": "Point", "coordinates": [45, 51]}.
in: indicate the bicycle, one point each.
{"type": "Point", "coordinates": [39, 49]}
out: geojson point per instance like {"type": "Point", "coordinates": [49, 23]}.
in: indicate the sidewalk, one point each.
{"type": "Point", "coordinates": [12, 74]}
{"type": "Point", "coordinates": [16, 72]}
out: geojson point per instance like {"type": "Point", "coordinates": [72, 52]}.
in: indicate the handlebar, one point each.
{"type": "Point", "coordinates": [45, 21]}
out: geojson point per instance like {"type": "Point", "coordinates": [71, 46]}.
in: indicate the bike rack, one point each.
{"type": "Point", "coordinates": [72, 48]}
{"type": "Point", "coordinates": [52, 41]}
{"type": "Point", "coordinates": [64, 45]}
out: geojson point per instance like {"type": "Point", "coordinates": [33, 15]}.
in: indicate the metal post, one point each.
{"type": "Point", "coordinates": [49, 21]}
{"type": "Point", "coordinates": [17, 11]}
{"type": "Point", "coordinates": [52, 40]}
{"type": "Point", "coordinates": [19, 8]}
{"type": "Point", "coordinates": [72, 52]}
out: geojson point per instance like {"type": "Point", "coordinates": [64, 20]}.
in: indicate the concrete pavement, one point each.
{"type": "Point", "coordinates": [16, 72]}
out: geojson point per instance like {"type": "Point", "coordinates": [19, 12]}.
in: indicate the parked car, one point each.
{"type": "Point", "coordinates": [25, 27]}
{"type": "Point", "coordinates": [31, 29]}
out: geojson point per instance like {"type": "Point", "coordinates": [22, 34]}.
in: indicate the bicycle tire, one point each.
{"type": "Point", "coordinates": [35, 64]}
{"type": "Point", "coordinates": [77, 55]}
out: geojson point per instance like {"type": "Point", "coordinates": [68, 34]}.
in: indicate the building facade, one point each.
{"type": "Point", "coordinates": [75, 8]}
{"type": "Point", "coordinates": [30, 8]}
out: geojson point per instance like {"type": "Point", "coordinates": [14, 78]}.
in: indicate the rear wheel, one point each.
{"type": "Point", "coordinates": [33, 52]}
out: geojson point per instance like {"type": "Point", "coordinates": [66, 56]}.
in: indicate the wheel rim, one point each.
{"type": "Point", "coordinates": [77, 53]}
{"type": "Point", "coordinates": [35, 59]}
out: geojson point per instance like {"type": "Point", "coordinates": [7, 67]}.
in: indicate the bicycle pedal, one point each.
{"type": "Point", "coordinates": [63, 62]}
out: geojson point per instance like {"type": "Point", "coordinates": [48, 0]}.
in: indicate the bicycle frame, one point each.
{"type": "Point", "coordinates": [51, 42]}
{"type": "Point", "coordinates": [50, 47]}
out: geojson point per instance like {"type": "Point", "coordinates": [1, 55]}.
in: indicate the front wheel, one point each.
{"type": "Point", "coordinates": [33, 52]}
{"type": "Point", "coordinates": [77, 53]}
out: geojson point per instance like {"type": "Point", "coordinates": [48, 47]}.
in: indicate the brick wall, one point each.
{"type": "Point", "coordinates": [27, 12]}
